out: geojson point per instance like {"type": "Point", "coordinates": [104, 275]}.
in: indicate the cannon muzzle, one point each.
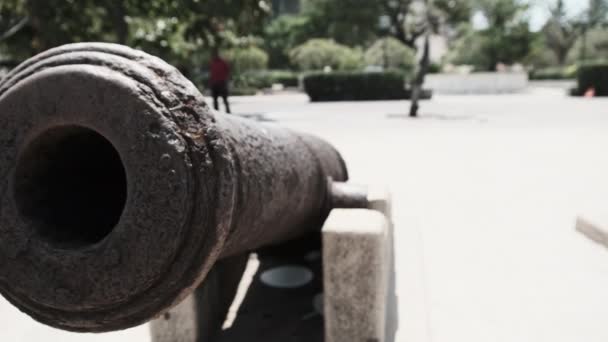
{"type": "Point", "coordinates": [120, 188]}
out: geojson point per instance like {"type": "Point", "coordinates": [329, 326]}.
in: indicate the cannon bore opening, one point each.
{"type": "Point", "coordinates": [70, 183]}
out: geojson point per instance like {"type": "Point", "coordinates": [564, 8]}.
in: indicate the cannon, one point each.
{"type": "Point", "coordinates": [120, 188]}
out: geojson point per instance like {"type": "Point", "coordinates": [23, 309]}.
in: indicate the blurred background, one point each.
{"type": "Point", "coordinates": [274, 41]}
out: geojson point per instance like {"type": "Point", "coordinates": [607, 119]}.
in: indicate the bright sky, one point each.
{"type": "Point", "coordinates": [540, 12]}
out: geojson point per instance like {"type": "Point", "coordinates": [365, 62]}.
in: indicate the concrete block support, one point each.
{"type": "Point", "coordinates": [201, 315]}
{"type": "Point", "coordinates": [358, 270]}
{"type": "Point", "coordinates": [360, 303]}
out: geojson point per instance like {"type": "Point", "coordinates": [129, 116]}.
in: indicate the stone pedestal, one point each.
{"type": "Point", "coordinates": [358, 269]}
{"type": "Point", "coordinates": [349, 296]}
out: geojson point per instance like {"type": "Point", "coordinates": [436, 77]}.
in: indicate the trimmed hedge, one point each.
{"type": "Point", "coordinates": [554, 73]}
{"type": "Point", "coordinates": [265, 79]}
{"type": "Point", "coordinates": [593, 76]}
{"type": "Point", "coordinates": [355, 86]}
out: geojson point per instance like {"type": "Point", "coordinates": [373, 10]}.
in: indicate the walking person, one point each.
{"type": "Point", "coordinates": [220, 75]}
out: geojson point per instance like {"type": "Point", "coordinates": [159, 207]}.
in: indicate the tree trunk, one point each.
{"type": "Point", "coordinates": [562, 54]}
{"type": "Point", "coordinates": [38, 43]}
{"type": "Point", "coordinates": [419, 80]}
{"type": "Point", "coordinates": [117, 13]}
{"type": "Point", "coordinates": [584, 45]}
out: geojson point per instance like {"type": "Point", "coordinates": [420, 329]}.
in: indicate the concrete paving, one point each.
{"type": "Point", "coordinates": [486, 193]}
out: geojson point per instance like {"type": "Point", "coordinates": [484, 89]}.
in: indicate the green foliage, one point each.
{"type": "Point", "coordinates": [175, 30]}
{"type": "Point", "coordinates": [344, 86]}
{"type": "Point", "coordinates": [408, 20]}
{"type": "Point", "coordinates": [453, 12]}
{"type": "Point", "coordinates": [50, 23]}
{"type": "Point", "coordinates": [434, 68]}
{"type": "Point", "coordinates": [349, 22]}
{"type": "Point", "coordinates": [507, 39]}
{"type": "Point", "coordinates": [596, 46]}
{"type": "Point", "coordinates": [560, 32]}
{"type": "Point", "coordinates": [391, 54]}
{"type": "Point", "coordinates": [554, 73]}
{"type": "Point", "coordinates": [356, 22]}
{"type": "Point", "coordinates": [164, 37]}
{"type": "Point", "coordinates": [594, 18]}
{"type": "Point", "coordinates": [246, 59]}
{"type": "Point", "coordinates": [283, 34]}
{"type": "Point", "coordinates": [597, 13]}
{"type": "Point", "coordinates": [540, 56]}
{"type": "Point", "coordinates": [285, 77]}
{"type": "Point", "coordinates": [266, 79]}
{"type": "Point", "coordinates": [317, 54]}
{"type": "Point", "coordinates": [593, 76]}
{"type": "Point", "coordinates": [467, 49]}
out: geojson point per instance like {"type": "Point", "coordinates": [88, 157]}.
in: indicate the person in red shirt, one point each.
{"type": "Point", "coordinates": [220, 75]}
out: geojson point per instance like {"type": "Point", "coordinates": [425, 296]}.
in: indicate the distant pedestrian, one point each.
{"type": "Point", "coordinates": [220, 75]}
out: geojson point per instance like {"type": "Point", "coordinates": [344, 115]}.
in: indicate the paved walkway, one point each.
{"type": "Point", "coordinates": [487, 190]}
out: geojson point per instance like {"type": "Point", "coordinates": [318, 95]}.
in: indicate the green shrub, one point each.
{"type": "Point", "coordinates": [390, 53]}
{"type": "Point", "coordinates": [344, 86]}
{"type": "Point", "coordinates": [593, 76]}
{"type": "Point", "coordinates": [317, 54]}
{"type": "Point", "coordinates": [244, 59]}
{"type": "Point", "coordinates": [263, 79]}
{"type": "Point", "coordinates": [554, 73]}
{"type": "Point", "coordinates": [434, 68]}
{"type": "Point", "coordinates": [285, 77]}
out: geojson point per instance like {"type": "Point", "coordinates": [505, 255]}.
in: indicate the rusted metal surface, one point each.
{"type": "Point", "coordinates": [346, 195]}
{"type": "Point", "coordinates": [120, 188]}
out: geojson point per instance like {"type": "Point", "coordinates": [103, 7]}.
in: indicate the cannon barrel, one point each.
{"type": "Point", "coordinates": [120, 188]}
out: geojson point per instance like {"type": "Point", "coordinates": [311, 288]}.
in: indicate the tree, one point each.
{"type": "Point", "coordinates": [452, 12]}
{"type": "Point", "coordinates": [410, 20]}
{"type": "Point", "coordinates": [390, 53]}
{"type": "Point", "coordinates": [424, 61]}
{"type": "Point", "coordinates": [406, 20]}
{"type": "Point", "coordinates": [595, 16]}
{"type": "Point", "coordinates": [283, 34]}
{"type": "Point", "coordinates": [173, 29]}
{"type": "Point", "coordinates": [50, 23]}
{"type": "Point", "coordinates": [560, 33]}
{"type": "Point", "coordinates": [508, 38]}
{"type": "Point", "coordinates": [349, 22]}
{"type": "Point", "coordinates": [317, 54]}
{"type": "Point", "coordinates": [593, 46]}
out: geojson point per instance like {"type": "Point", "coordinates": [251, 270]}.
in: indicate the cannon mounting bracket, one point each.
{"type": "Point", "coordinates": [354, 243]}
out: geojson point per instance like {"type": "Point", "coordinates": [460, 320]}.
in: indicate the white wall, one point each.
{"type": "Point", "coordinates": [477, 83]}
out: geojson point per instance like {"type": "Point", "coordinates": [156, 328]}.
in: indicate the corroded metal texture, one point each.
{"type": "Point", "coordinates": [119, 188]}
